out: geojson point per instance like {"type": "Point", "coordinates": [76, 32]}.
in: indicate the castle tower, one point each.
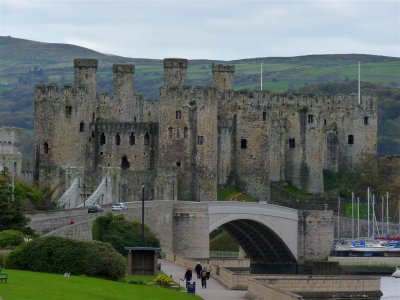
{"type": "Point", "coordinates": [223, 76]}
{"type": "Point", "coordinates": [127, 107]}
{"type": "Point", "coordinates": [85, 74]}
{"type": "Point", "coordinates": [175, 71]}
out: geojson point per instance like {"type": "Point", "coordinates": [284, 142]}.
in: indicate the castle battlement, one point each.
{"type": "Point", "coordinates": [207, 135]}
{"type": "Point", "coordinates": [117, 68]}
{"type": "Point", "coordinates": [85, 63]}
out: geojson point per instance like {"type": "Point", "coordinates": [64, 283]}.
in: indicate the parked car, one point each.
{"type": "Point", "coordinates": [119, 206]}
{"type": "Point", "coordinates": [95, 208]}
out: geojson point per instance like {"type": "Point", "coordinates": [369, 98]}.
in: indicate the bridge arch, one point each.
{"type": "Point", "coordinates": [267, 233]}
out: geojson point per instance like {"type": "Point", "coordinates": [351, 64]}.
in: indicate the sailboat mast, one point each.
{"type": "Point", "coordinates": [338, 219]}
{"type": "Point", "coordinates": [373, 216]}
{"type": "Point", "coordinates": [387, 214]}
{"type": "Point", "coordinates": [382, 216]}
{"type": "Point", "coordinates": [352, 215]}
{"type": "Point", "coordinates": [368, 211]}
{"type": "Point", "coordinates": [358, 218]}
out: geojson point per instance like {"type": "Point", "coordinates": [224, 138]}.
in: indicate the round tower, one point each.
{"type": "Point", "coordinates": [85, 74]}
{"type": "Point", "coordinates": [223, 76]}
{"type": "Point", "coordinates": [175, 71]}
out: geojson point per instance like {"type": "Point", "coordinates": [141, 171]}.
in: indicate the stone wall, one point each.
{"type": "Point", "coordinates": [315, 235]}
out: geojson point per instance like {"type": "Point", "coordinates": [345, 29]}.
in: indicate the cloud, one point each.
{"type": "Point", "coordinates": [218, 29]}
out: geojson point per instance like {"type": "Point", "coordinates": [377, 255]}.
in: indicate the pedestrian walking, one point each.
{"type": "Point", "coordinates": [198, 269]}
{"type": "Point", "coordinates": [203, 276]}
{"type": "Point", "coordinates": [208, 269]}
{"type": "Point", "coordinates": [188, 276]}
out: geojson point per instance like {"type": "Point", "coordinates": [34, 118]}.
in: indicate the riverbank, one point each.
{"type": "Point", "coordinates": [366, 265]}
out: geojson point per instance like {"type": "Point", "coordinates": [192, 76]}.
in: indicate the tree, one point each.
{"type": "Point", "coordinates": [120, 233]}
{"type": "Point", "coordinates": [11, 214]}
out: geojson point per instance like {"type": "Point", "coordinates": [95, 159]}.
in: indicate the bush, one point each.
{"type": "Point", "coordinates": [60, 255]}
{"type": "Point", "coordinates": [164, 280]}
{"type": "Point", "coordinates": [120, 233]}
{"type": "Point", "coordinates": [11, 238]}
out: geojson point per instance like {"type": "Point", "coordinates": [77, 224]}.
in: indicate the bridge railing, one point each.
{"type": "Point", "coordinates": [101, 190]}
{"type": "Point", "coordinates": [224, 254]}
{"type": "Point", "coordinates": [70, 195]}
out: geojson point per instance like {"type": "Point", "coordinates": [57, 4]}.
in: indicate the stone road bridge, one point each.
{"type": "Point", "coordinates": [267, 233]}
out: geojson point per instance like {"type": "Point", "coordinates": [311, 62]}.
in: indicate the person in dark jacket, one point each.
{"type": "Point", "coordinates": [198, 269]}
{"type": "Point", "coordinates": [188, 276]}
{"type": "Point", "coordinates": [203, 275]}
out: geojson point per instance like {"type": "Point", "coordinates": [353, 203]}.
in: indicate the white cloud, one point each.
{"type": "Point", "coordinates": [218, 29]}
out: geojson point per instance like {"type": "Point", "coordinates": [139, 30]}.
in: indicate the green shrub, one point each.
{"type": "Point", "coordinates": [59, 255]}
{"type": "Point", "coordinates": [120, 233]}
{"type": "Point", "coordinates": [11, 238]}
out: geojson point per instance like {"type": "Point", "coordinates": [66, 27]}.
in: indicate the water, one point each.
{"type": "Point", "coordinates": [390, 288]}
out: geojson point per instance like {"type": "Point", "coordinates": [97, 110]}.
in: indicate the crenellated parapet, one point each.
{"type": "Point", "coordinates": [175, 71]}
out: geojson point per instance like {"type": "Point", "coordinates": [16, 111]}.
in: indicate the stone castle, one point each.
{"type": "Point", "coordinates": [193, 139]}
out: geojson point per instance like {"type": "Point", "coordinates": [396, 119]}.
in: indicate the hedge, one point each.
{"type": "Point", "coordinates": [60, 255]}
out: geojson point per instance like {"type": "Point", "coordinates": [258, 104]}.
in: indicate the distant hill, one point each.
{"type": "Point", "coordinates": [24, 63]}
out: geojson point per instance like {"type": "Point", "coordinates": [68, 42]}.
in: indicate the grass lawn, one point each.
{"type": "Point", "coordinates": [26, 285]}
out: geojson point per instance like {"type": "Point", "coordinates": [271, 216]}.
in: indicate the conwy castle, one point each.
{"type": "Point", "coordinates": [193, 138]}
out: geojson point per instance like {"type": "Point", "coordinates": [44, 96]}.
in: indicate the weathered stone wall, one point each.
{"type": "Point", "coordinates": [316, 233]}
{"type": "Point", "coordinates": [252, 136]}
{"type": "Point", "coordinates": [190, 228]}
{"type": "Point", "coordinates": [210, 135]}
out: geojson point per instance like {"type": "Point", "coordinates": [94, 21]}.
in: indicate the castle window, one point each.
{"type": "Point", "coordinates": [264, 115]}
{"type": "Point", "coordinates": [350, 139]}
{"type": "Point", "coordinates": [102, 139]}
{"type": "Point", "coordinates": [147, 139]}
{"type": "Point", "coordinates": [186, 132]}
{"type": "Point", "coordinates": [81, 126]}
{"type": "Point", "coordinates": [177, 133]}
{"type": "Point", "coordinates": [366, 121]}
{"type": "Point", "coordinates": [45, 148]}
{"type": "Point", "coordinates": [243, 143]}
{"type": "Point", "coordinates": [292, 143]}
{"type": "Point", "coordinates": [200, 140]}
{"type": "Point", "coordinates": [68, 111]}
{"type": "Point", "coordinates": [324, 121]}
{"type": "Point", "coordinates": [310, 119]}
{"type": "Point", "coordinates": [178, 164]}
{"type": "Point", "coordinates": [132, 139]}
{"type": "Point", "coordinates": [125, 163]}
{"type": "Point", "coordinates": [178, 114]}
{"type": "Point", "coordinates": [170, 132]}
{"type": "Point", "coordinates": [134, 119]}
{"type": "Point", "coordinates": [93, 117]}
{"type": "Point", "coordinates": [117, 139]}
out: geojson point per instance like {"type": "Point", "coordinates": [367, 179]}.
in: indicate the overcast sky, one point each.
{"type": "Point", "coordinates": [210, 29]}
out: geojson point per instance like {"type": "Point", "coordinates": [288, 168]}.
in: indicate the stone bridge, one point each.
{"type": "Point", "coordinates": [267, 233]}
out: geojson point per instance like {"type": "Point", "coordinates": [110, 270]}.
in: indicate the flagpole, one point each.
{"type": "Point", "coordinates": [359, 83]}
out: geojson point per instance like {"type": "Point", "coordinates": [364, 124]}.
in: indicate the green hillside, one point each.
{"type": "Point", "coordinates": [24, 63]}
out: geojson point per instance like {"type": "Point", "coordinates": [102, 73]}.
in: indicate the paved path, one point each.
{"type": "Point", "coordinates": [214, 290]}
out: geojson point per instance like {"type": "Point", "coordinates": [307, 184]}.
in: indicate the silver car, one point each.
{"type": "Point", "coordinates": [119, 206]}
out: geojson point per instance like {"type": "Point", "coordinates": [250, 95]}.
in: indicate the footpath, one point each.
{"type": "Point", "coordinates": [214, 290]}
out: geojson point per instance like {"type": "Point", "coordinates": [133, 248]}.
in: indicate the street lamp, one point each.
{"type": "Point", "coordinates": [13, 179]}
{"type": "Point", "coordinates": [143, 214]}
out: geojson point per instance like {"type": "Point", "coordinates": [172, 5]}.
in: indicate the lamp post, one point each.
{"type": "Point", "coordinates": [13, 180]}
{"type": "Point", "coordinates": [143, 214]}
